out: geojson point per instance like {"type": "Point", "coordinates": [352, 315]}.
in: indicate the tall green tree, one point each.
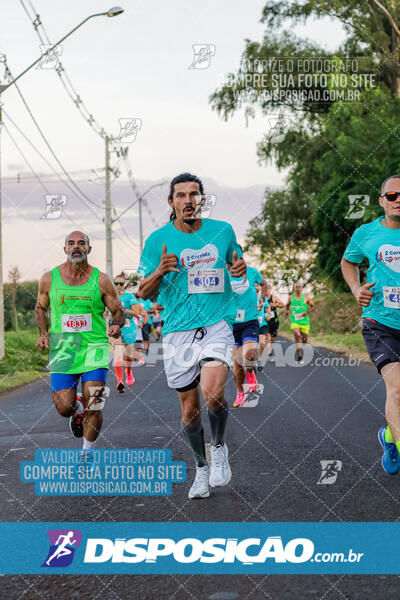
{"type": "Point", "coordinates": [330, 150]}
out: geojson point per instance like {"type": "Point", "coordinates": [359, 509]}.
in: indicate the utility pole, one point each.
{"type": "Point", "coordinates": [140, 224]}
{"type": "Point", "coordinates": [109, 261]}
{"type": "Point", "coordinates": [1, 258]}
{"type": "Point", "coordinates": [112, 12]}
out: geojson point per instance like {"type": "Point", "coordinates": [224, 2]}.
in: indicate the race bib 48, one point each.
{"type": "Point", "coordinates": [391, 297]}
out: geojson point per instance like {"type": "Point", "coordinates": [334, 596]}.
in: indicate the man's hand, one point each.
{"type": "Point", "coordinates": [238, 268]}
{"type": "Point", "coordinates": [364, 294]}
{"type": "Point", "coordinates": [168, 263]}
{"type": "Point", "coordinates": [43, 341]}
{"type": "Point", "coordinates": [114, 331]}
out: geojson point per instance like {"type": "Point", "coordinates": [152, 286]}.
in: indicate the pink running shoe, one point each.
{"type": "Point", "coordinates": [240, 399]}
{"type": "Point", "coordinates": [252, 383]}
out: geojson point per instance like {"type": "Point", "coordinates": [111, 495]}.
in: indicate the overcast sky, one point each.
{"type": "Point", "coordinates": [135, 65]}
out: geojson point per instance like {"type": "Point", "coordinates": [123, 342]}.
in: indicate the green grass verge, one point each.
{"type": "Point", "coordinates": [23, 361]}
{"type": "Point", "coordinates": [350, 343]}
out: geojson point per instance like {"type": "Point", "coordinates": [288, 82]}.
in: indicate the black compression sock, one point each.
{"type": "Point", "coordinates": [218, 422]}
{"type": "Point", "coordinates": [195, 437]}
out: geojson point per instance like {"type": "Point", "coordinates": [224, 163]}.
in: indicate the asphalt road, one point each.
{"type": "Point", "coordinates": [305, 415]}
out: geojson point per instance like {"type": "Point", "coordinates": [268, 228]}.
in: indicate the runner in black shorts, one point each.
{"type": "Point", "coordinates": [262, 340]}
{"type": "Point", "coordinates": [379, 242]}
{"type": "Point", "coordinates": [246, 331]}
{"type": "Point", "coordinates": [146, 329]}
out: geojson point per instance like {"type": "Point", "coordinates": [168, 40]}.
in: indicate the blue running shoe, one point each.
{"type": "Point", "coordinates": [86, 458]}
{"type": "Point", "coordinates": [391, 455]}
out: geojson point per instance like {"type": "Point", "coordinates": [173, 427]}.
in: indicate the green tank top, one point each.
{"type": "Point", "coordinates": [78, 340]}
{"type": "Point", "coordinates": [296, 307]}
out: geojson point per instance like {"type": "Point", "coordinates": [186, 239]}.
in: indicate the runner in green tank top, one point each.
{"type": "Point", "coordinates": [77, 294]}
{"type": "Point", "coordinates": [299, 306]}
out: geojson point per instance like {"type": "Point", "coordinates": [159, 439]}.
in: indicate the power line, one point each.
{"type": "Point", "coordinates": [40, 181]}
{"type": "Point", "coordinates": [33, 146]}
{"type": "Point", "coordinates": [147, 207]}
{"type": "Point", "coordinates": [136, 247]}
{"type": "Point", "coordinates": [62, 74]}
{"type": "Point", "coordinates": [134, 186]}
{"type": "Point", "coordinates": [26, 160]}
{"type": "Point", "coordinates": [48, 163]}
{"type": "Point", "coordinates": [46, 142]}
{"type": "Point", "coordinates": [84, 174]}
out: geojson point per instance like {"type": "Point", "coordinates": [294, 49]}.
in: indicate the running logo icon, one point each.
{"type": "Point", "coordinates": [49, 60]}
{"type": "Point", "coordinates": [55, 204]}
{"type": "Point", "coordinates": [278, 128]}
{"type": "Point", "coordinates": [330, 470]}
{"type": "Point", "coordinates": [208, 201]}
{"type": "Point", "coordinates": [62, 547]}
{"type": "Point", "coordinates": [128, 129]}
{"type": "Point", "coordinates": [357, 205]}
{"type": "Point", "coordinates": [203, 53]}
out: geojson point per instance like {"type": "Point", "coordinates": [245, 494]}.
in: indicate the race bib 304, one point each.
{"type": "Point", "coordinates": [206, 281]}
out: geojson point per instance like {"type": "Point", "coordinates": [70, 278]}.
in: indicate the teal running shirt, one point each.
{"type": "Point", "coordinates": [128, 331]}
{"type": "Point", "coordinates": [245, 295]}
{"type": "Point", "coordinates": [147, 304]}
{"type": "Point", "coordinates": [200, 294]}
{"type": "Point", "coordinates": [381, 246]}
{"type": "Point", "coordinates": [261, 314]}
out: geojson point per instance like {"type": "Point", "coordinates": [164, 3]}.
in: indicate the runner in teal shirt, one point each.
{"type": "Point", "coordinates": [128, 332]}
{"type": "Point", "coordinates": [185, 264]}
{"type": "Point", "coordinates": [147, 304]}
{"type": "Point", "coordinates": [200, 294]}
{"type": "Point", "coordinates": [245, 295]}
{"type": "Point", "coordinates": [261, 314]}
{"type": "Point", "coordinates": [379, 242]}
{"type": "Point", "coordinates": [381, 246]}
{"type": "Point", "coordinates": [246, 332]}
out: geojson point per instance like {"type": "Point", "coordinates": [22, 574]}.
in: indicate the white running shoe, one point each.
{"type": "Point", "coordinates": [220, 473]}
{"type": "Point", "coordinates": [200, 487]}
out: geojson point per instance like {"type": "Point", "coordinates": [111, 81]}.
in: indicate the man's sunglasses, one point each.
{"type": "Point", "coordinates": [391, 196]}
{"type": "Point", "coordinates": [119, 283]}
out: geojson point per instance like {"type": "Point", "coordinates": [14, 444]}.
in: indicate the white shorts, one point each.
{"type": "Point", "coordinates": [184, 350]}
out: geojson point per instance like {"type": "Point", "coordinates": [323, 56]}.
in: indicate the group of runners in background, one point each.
{"type": "Point", "coordinates": [255, 328]}
{"type": "Point", "coordinates": [196, 286]}
{"type": "Point", "coordinates": [141, 316]}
